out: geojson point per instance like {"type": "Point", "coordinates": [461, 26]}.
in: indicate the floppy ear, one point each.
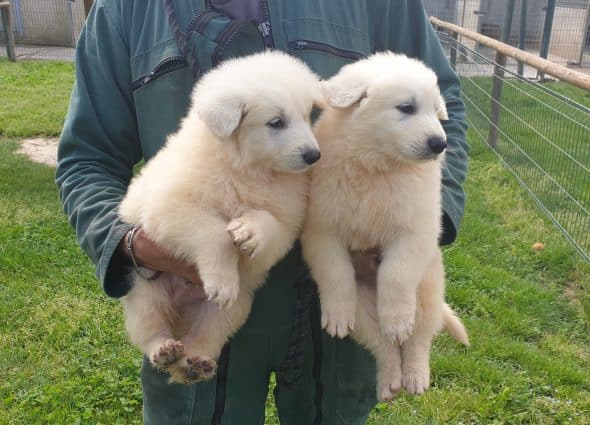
{"type": "Point", "coordinates": [341, 92]}
{"type": "Point", "coordinates": [442, 110]}
{"type": "Point", "coordinates": [221, 115]}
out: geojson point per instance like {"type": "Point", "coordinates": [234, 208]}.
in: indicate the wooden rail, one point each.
{"type": "Point", "coordinates": [7, 24]}
{"type": "Point", "coordinates": [560, 72]}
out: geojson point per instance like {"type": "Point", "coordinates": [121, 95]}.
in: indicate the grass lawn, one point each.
{"type": "Point", "coordinates": [64, 358]}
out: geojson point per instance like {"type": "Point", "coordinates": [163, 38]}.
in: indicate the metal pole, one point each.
{"type": "Point", "coordinates": [454, 46]}
{"type": "Point", "coordinates": [522, 35]}
{"type": "Point", "coordinates": [87, 6]}
{"type": "Point", "coordinates": [498, 82]}
{"type": "Point", "coordinates": [71, 22]}
{"type": "Point", "coordinates": [7, 24]}
{"type": "Point", "coordinates": [583, 50]}
{"type": "Point", "coordinates": [547, 28]}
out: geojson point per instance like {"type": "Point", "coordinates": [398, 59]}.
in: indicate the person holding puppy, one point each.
{"type": "Point", "coordinates": [136, 63]}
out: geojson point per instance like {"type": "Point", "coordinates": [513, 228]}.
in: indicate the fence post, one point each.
{"type": "Point", "coordinates": [498, 79]}
{"type": "Point", "coordinates": [547, 28]}
{"type": "Point", "coordinates": [522, 35]}
{"type": "Point", "coordinates": [583, 49]}
{"type": "Point", "coordinates": [454, 45]}
{"type": "Point", "coordinates": [7, 24]}
{"type": "Point", "coordinates": [87, 6]}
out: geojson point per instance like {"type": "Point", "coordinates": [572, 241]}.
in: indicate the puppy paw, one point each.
{"type": "Point", "coordinates": [245, 237]}
{"type": "Point", "coordinates": [193, 369]}
{"type": "Point", "coordinates": [415, 381]}
{"type": "Point", "coordinates": [167, 353]}
{"type": "Point", "coordinates": [388, 389]}
{"type": "Point", "coordinates": [338, 320]}
{"type": "Point", "coordinates": [398, 326]}
{"type": "Point", "coordinates": [223, 290]}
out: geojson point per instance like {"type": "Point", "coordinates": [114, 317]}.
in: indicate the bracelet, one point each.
{"type": "Point", "coordinates": [137, 267]}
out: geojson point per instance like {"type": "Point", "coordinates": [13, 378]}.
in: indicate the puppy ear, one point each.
{"type": "Point", "coordinates": [442, 110]}
{"type": "Point", "coordinates": [342, 93]}
{"type": "Point", "coordinates": [221, 115]}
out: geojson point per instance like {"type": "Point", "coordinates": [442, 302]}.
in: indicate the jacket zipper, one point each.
{"type": "Point", "coordinates": [323, 47]}
{"type": "Point", "coordinates": [264, 28]}
{"type": "Point", "coordinates": [200, 21]}
{"type": "Point", "coordinates": [166, 66]}
{"type": "Point", "coordinates": [226, 37]}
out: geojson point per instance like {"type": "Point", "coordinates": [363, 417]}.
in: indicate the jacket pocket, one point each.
{"type": "Point", "coordinates": [165, 66]}
{"type": "Point", "coordinates": [161, 99]}
{"type": "Point", "coordinates": [316, 46]}
{"type": "Point", "coordinates": [323, 45]}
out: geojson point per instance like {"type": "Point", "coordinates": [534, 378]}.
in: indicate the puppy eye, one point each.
{"type": "Point", "coordinates": [407, 108]}
{"type": "Point", "coordinates": [277, 123]}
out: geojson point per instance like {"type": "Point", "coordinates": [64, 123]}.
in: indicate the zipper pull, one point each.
{"type": "Point", "coordinates": [148, 78]}
{"type": "Point", "coordinates": [264, 28]}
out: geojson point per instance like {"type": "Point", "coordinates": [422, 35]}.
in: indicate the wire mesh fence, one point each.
{"type": "Point", "coordinates": [44, 29]}
{"type": "Point", "coordinates": [561, 27]}
{"type": "Point", "coordinates": [539, 133]}
{"type": "Point", "coordinates": [48, 29]}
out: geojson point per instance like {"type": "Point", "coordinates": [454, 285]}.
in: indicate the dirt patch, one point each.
{"type": "Point", "coordinates": [43, 150]}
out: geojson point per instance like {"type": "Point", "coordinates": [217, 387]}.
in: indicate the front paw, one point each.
{"type": "Point", "coordinates": [245, 237]}
{"type": "Point", "coordinates": [415, 381]}
{"type": "Point", "coordinates": [397, 326]}
{"type": "Point", "coordinates": [221, 289]}
{"type": "Point", "coordinates": [338, 318]}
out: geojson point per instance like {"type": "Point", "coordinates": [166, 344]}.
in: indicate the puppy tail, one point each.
{"type": "Point", "coordinates": [454, 326]}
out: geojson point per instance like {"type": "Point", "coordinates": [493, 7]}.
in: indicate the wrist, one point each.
{"type": "Point", "coordinates": [128, 243]}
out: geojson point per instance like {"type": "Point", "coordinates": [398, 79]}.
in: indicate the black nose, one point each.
{"type": "Point", "coordinates": [437, 145]}
{"type": "Point", "coordinates": [310, 156]}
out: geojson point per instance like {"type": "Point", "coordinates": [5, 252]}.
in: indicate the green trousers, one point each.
{"type": "Point", "coordinates": [320, 380]}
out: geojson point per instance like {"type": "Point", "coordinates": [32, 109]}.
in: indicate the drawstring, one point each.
{"type": "Point", "coordinates": [290, 370]}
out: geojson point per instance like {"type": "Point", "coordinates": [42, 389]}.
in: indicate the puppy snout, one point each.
{"type": "Point", "coordinates": [437, 144]}
{"type": "Point", "coordinates": [310, 156]}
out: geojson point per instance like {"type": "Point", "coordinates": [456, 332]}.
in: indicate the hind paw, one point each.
{"type": "Point", "coordinates": [415, 381]}
{"type": "Point", "coordinates": [388, 390]}
{"type": "Point", "coordinates": [168, 353]}
{"type": "Point", "coordinates": [193, 369]}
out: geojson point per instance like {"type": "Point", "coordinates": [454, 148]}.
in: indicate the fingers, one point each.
{"type": "Point", "coordinates": [155, 257]}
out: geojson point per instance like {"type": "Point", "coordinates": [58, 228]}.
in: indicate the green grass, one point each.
{"type": "Point", "coordinates": [34, 97]}
{"type": "Point", "coordinates": [64, 357]}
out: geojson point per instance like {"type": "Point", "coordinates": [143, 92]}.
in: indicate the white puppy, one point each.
{"type": "Point", "coordinates": [228, 193]}
{"type": "Point", "coordinates": [378, 185]}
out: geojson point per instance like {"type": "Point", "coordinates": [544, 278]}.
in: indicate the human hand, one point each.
{"type": "Point", "coordinates": [154, 257]}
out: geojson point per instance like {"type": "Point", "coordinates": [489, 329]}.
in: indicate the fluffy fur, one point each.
{"type": "Point", "coordinates": [228, 193]}
{"type": "Point", "coordinates": [378, 185]}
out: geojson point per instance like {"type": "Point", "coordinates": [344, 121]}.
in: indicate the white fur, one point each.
{"type": "Point", "coordinates": [378, 185]}
{"type": "Point", "coordinates": [227, 193]}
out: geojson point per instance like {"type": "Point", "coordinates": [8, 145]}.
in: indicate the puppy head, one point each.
{"type": "Point", "coordinates": [261, 104]}
{"type": "Point", "coordinates": [395, 105]}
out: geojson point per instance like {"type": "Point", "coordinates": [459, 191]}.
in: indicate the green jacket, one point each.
{"type": "Point", "coordinates": [133, 84]}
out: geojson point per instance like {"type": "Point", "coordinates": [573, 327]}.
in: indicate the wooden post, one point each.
{"type": "Point", "coordinates": [87, 6]}
{"type": "Point", "coordinates": [7, 24]}
{"type": "Point", "coordinates": [498, 81]}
